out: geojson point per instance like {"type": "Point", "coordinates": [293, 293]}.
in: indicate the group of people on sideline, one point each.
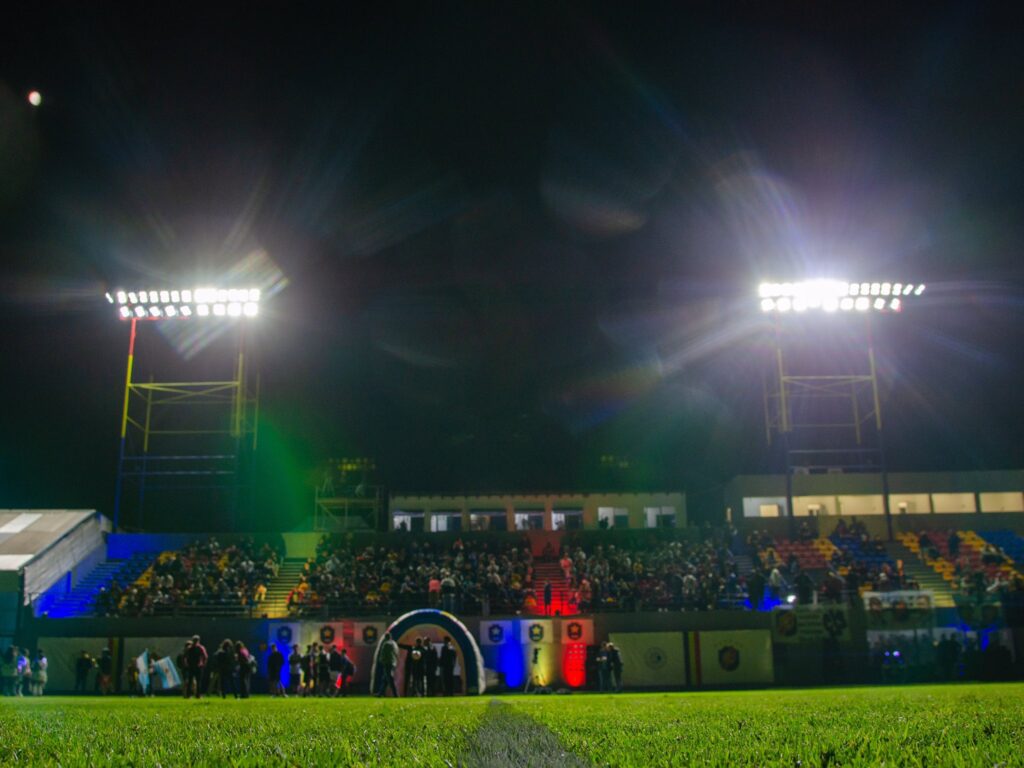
{"type": "Point", "coordinates": [22, 673]}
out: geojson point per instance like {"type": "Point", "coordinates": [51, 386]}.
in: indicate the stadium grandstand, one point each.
{"type": "Point", "coordinates": [802, 594]}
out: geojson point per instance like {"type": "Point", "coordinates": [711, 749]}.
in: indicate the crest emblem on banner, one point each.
{"type": "Point", "coordinates": [327, 634]}
{"type": "Point", "coordinates": [284, 635]}
{"type": "Point", "coordinates": [729, 658]}
{"type": "Point", "coordinates": [574, 630]}
{"type": "Point", "coordinates": [536, 632]}
{"type": "Point", "coordinates": [496, 634]}
{"type": "Point", "coordinates": [370, 634]}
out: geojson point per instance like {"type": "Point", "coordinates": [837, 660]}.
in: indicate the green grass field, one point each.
{"type": "Point", "coordinates": [961, 725]}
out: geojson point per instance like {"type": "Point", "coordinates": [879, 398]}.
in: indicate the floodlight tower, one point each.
{"type": "Point", "coordinates": [182, 437]}
{"type": "Point", "coordinates": [821, 392]}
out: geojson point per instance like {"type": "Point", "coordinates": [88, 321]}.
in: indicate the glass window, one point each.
{"type": "Point", "coordinates": [953, 503]}
{"type": "Point", "coordinates": [567, 519]}
{"type": "Point", "coordinates": [909, 504]}
{"type": "Point", "coordinates": [530, 520]}
{"type": "Point", "coordinates": [444, 521]}
{"type": "Point", "coordinates": [1002, 502]}
{"type": "Point", "coordinates": [612, 517]}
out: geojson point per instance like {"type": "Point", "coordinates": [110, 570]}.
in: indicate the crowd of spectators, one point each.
{"type": "Point", "coordinates": [205, 575]}
{"type": "Point", "coordinates": [976, 579]}
{"type": "Point", "coordinates": [664, 576]}
{"type": "Point", "coordinates": [470, 576]}
{"type": "Point", "coordinates": [495, 577]}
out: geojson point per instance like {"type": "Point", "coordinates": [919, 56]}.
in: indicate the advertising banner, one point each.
{"type": "Point", "coordinates": [497, 632]}
{"type": "Point", "coordinates": [898, 610]}
{"type": "Point", "coordinates": [651, 659]}
{"type": "Point", "coordinates": [578, 631]}
{"type": "Point", "coordinates": [810, 624]}
{"type": "Point", "coordinates": [367, 633]}
{"type": "Point", "coordinates": [739, 657]}
{"type": "Point", "coordinates": [536, 631]}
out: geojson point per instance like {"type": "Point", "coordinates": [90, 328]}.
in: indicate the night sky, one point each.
{"type": "Point", "coordinates": [515, 239]}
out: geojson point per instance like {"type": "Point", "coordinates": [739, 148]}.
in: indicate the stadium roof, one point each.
{"type": "Point", "coordinates": [24, 534]}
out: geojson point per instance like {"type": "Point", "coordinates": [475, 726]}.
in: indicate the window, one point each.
{"type": "Point", "coordinates": [857, 506]}
{"type": "Point", "coordinates": [953, 503]}
{"type": "Point", "coordinates": [612, 517]}
{"type": "Point", "coordinates": [1002, 502]}
{"type": "Point", "coordinates": [909, 504]}
{"type": "Point", "coordinates": [660, 517]}
{"type": "Point", "coordinates": [407, 520]}
{"type": "Point", "coordinates": [488, 520]}
{"type": "Point", "coordinates": [445, 520]}
{"type": "Point", "coordinates": [530, 520]}
{"type": "Point", "coordinates": [813, 506]}
{"type": "Point", "coordinates": [764, 506]}
{"type": "Point", "coordinates": [567, 519]}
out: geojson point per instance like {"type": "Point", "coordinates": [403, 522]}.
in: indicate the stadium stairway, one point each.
{"type": "Point", "coordinates": [928, 578]}
{"type": "Point", "coordinates": [80, 600]}
{"type": "Point", "coordinates": [744, 565]}
{"type": "Point", "coordinates": [550, 571]}
{"type": "Point", "coordinates": [288, 576]}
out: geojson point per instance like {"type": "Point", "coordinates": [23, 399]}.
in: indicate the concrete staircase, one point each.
{"type": "Point", "coordinates": [80, 601]}
{"type": "Point", "coordinates": [550, 571]}
{"type": "Point", "coordinates": [288, 575]}
{"type": "Point", "coordinates": [923, 574]}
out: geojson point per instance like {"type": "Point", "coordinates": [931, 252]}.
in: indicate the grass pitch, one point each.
{"type": "Point", "coordinates": [960, 725]}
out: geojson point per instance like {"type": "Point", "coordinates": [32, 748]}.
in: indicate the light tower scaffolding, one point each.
{"type": "Point", "coordinates": [821, 392]}
{"type": "Point", "coordinates": [186, 446]}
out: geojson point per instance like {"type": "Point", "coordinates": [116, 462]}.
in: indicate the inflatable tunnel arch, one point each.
{"type": "Point", "coordinates": [472, 659]}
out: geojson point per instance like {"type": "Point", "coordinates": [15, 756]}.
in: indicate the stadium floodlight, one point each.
{"type": "Point", "coordinates": [830, 295]}
{"type": "Point", "coordinates": [178, 303]}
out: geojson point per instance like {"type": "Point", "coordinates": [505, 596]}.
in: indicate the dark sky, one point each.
{"type": "Point", "coordinates": [516, 239]}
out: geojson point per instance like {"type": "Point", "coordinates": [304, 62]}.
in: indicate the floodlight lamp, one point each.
{"type": "Point", "coordinates": [251, 309]}
{"type": "Point", "coordinates": [919, 290]}
{"type": "Point", "coordinates": [234, 309]}
{"type": "Point", "coordinates": [203, 310]}
{"type": "Point", "coordinates": [186, 296]}
{"type": "Point", "coordinates": [125, 312]}
{"type": "Point", "coordinates": [784, 304]}
{"type": "Point", "coordinates": [767, 305]}
{"type": "Point", "coordinates": [854, 289]}
{"type": "Point", "coordinates": [222, 295]}
{"type": "Point", "coordinates": [186, 310]}
{"type": "Point", "coordinates": [908, 289]}
{"type": "Point", "coordinates": [846, 304]}
{"type": "Point", "coordinates": [175, 296]}
{"type": "Point", "coordinates": [170, 310]}
{"type": "Point", "coordinates": [165, 296]}
{"type": "Point", "coordinates": [879, 303]}
{"type": "Point", "coordinates": [799, 304]}
{"type": "Point", "coordinates": [764, 290]}
{"type": "Point", "coordinates": [155, 311]}
{"type": "Point", "coordinates": [144, 297]}
{"type": "Point", "coordinates": [122, 297]}
{"type": "Point", "coordinates": [876, 288]}
{"type": "Point", "coordinates": [896, 305]}
{"type": "Point", "coordinates": [133, 299]}
{"type": "Point", "coordinates": [862, 304]}
{"type": "Point", "coordinates": [886, 288]}
{"type": "Point", "coordinates": [219, 310]}
{"type": "Point", "coordinates": [830, 304]}
{"type": "Point", "coordinates": [254, 294]}
{"type": "Point", "coordinates": [140, 311]}
{"type": "Point", "coordinates": [110, 299]}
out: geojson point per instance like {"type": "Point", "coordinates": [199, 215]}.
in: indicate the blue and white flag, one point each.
{"type": "Point", "coordinates": [142, 664]}
{"type": "Point", "coordinates": [166, 673]}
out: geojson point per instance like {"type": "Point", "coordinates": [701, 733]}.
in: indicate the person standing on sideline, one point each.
{"type": "Point", "coordinates": [548, 597]}
{"type": "Point", "coordinates": [430, 666]}
{"type": "Point", "coordinates": [39, 665]}
{"type": "Point", "coordinates": [294, 671]}
{"type": "Point", "coordinates": [348, 670]}
{"type": "Point", "coordinates": [615, 664]}
{"type": "Point", "coordinates": [275, 663]}
{"type": "Point", "coordinates": [246, 669]}
{"type": "Point", "coordinates": [24, 681]}
{"type": "Point", "coordinates": [447, 666]}
{"type": "Point", "coordinates": [387, 661]}
{"type": "Point", "coordinates": [83, 665]}
{"type": "Point", "coordinates": [222, 679]}
{"type": "Point", "coordinates": [603, 667]}
{"type": "Point", "coordinates": [195, 662]}
{"type": "Point", "coordinates": [105, 676]}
